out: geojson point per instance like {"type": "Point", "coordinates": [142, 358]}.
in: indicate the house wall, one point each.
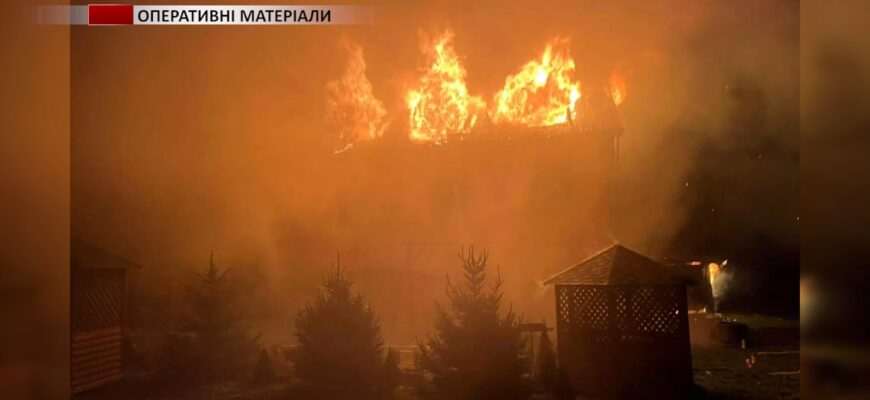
{"type": "Point", "coordinates": [405, 209]}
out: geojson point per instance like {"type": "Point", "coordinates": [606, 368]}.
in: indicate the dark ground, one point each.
{"type": "Point", "coordinates": [768, 368]}
{"type": "Point", "coordinates": [720, 371]}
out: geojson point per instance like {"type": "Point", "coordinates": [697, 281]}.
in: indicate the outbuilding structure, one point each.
{"type": "Point", "coordinates": [622, 327]}
{"type": "Point", "coordinates": [98, 291]}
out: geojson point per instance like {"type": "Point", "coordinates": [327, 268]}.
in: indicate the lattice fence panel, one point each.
{"type": "Point", "coordinates": [563, 305]}
{"type": "Point", "coordinates": [97, 296]}
{"type": "Point", "coordinates": [621, 311]}
{"type": "Point", "coordinates": [655, 309]}
{"type": "Point", "coordinates": [583, 307]}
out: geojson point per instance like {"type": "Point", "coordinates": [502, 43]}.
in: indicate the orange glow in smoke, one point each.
{"type": "Point", "coordinates": [542, 93]}
{"type": "Point", "coordinates": [617, 87]}
{"type": "Point", "coordinates": [440, 103]}
{"type": "Point", "coordinates": [351, 104]}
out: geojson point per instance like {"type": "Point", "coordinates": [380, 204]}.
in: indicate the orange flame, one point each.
{"type": "Point", "coordinates": [440, 103]}
{"type": "Point", "coordinates": [617, 87]}
{"type": "Point", "coordinates": [542, 92]}
{"type": "Point", "coordinates": [351, 104]}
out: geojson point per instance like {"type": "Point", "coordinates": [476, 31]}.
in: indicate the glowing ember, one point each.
{"type": "Point", "coordinates": [351, 104]}
{"type": "Point", "coordinates": [542, 92]}
{"type": "Point", "coordinates": [440, 104]}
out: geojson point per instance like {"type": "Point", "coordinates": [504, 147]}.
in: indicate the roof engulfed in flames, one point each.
{"type": "Point", "coordinates": [351, 102]}
{"type": "Point", "coordinates": [440, 104]}
{"type": "Point", "coordinates": [541, 97]}
{"type": "Point", "coordinates": [542, 93]}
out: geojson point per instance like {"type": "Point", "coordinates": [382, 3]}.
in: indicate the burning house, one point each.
{"type": "Point", "coordinates": [526, 173]}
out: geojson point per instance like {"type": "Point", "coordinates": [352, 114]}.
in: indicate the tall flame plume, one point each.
{"type": "Point", "coordinates": [440, 103]}
{"type": "Point", "coordinates": [542, 93]}
{"type": "Point", "coordinates": [351, 103]}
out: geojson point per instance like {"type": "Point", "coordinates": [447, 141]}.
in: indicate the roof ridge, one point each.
{"type": "Point", "coordinates": [653, 264]}
{"type": "Point", "coordinates": [598, 253]}
{"type": "Point", "coordinates": [80, 247]}
{"type": "Point", "coordinates": [616, 265]}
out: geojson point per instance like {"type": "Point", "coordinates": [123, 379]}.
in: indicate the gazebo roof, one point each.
{"type": "Point", "coordinates": [617, 265]}
{"type": "Point", "coordinates": [86, 255]}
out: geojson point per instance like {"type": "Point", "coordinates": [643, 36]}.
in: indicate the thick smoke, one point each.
{"type": "Point", "coordinates": [187, 140]}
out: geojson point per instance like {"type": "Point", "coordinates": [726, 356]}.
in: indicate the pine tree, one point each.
{"type": "Point", "coordinates": [211, 342]}
{"type": "Point", "coordinates": [340, 350]}
{"type": "Point", "coordinates": [476, 353]}
{"type": "Point", "coordinates": [545, 368]}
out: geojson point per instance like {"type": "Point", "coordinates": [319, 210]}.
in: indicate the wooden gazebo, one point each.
{"type": "Point", "coordinates": [622, 327]}
{"type": "Point", "coordinates": [98, 283]}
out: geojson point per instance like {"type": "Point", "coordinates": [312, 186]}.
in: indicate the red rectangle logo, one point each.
{"type": "Point", "coordinates": [110, 14]}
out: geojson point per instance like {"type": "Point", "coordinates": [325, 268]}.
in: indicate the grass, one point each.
{"type": "Point", "coordinates": [723, 372]}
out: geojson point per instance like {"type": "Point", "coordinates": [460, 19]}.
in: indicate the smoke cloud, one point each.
{"type": "Point", "coordinates": [188, 139]}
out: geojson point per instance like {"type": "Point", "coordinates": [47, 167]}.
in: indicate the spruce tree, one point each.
{"type": "Point", "coordinates": [211, 342]}
{"type": "Point", "coordinates": [339, 353]}
{"type": "Point", "coordinates": [476, 352]}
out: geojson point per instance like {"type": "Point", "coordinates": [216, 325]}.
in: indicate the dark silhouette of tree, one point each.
{"type": "Point", "coordinates": [340, 351]}
{"type": "Point", "coordinates": [392, 374]}
{"type": "Point", "coordinates": [476, 353]}
{"type": "Point", "coordinates": [211, 341]}
{"type": "Point", "coordinates": [264, 372]}
{"type": "Point", "coordinates": [545, 365]}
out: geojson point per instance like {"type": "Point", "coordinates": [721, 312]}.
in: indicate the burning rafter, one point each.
{"type": "Point", "coordinates": [351, 103]}
{"type": "Point", "coordinates": [440, 103]}
{"type": "Point", "coordinates": [542, 98]}
{"type": "Point", "coordinates": [542, 93]}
